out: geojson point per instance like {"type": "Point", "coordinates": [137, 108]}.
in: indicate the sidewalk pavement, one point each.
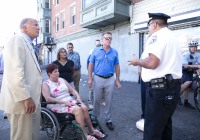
{"type": "Point", "coordinates": [126, 111]}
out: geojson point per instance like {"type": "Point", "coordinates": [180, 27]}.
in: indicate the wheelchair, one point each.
{"type": "Point", "coordinates": [55, 124]}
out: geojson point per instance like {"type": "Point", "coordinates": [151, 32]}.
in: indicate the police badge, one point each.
{"type": "Point", "coordinates": [153, 39]}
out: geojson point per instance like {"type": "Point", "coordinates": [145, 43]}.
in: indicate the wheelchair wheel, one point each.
{"type": "Point", "coordinates": [197, 98]}
{"type": "Point", "coordinates": [49, 124]}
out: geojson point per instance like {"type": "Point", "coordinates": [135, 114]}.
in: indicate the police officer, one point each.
{"type": "Point", "coordinates": [161, 71]}
{"type": "Point", "coordinates": [191, 59]}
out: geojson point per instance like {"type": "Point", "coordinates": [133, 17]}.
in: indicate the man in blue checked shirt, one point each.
{"type": "Point", "coordinates": [75, 57]}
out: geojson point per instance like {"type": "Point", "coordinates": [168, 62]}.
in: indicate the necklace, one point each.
{"type": "Point", "coordinates": [62, 62]}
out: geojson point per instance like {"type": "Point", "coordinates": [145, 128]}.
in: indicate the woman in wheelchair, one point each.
{"type": "Point", "coordinates": [57, 90]}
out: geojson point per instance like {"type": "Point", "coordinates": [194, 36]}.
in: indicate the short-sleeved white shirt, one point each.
{"type": "Point", "coordinates": [195, 60]}
{"type": "Point", "coordinates": [164, 46]}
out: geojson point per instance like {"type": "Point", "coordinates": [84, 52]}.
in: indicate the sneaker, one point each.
{"type": "Point", "coordinates": [4, 116]}
{"type": "Point", "coordinates": [90, 105]}
{"type": "Point", "coordinates": [110, 126]}
{"type": "Point", "coordinates": [188, 105]}
{"type": "Point", "coordinates": [140, 124]}
{"type": "Point", "coordinates": [103, 103]}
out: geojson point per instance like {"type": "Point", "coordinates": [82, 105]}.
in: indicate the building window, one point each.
{"type": "Point", "coordinates": [57, 24]}
{"type": "Point", "coordinates": [47, 4]}
{"type": "Point", "coordinates": [47, 26]}
{"type": "Point", "coordinates": [73, 15]}
{"type": "Point", "coordinates": [87, 3]}
{"type": "Point", "coordinates": [63, 20]}
{"type": "Point", "coordinates": [57, 2]}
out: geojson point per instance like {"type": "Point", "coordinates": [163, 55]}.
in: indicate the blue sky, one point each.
{"type": "Point", "coordinates": [11, 13]}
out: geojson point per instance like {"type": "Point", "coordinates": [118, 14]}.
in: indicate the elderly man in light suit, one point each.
{"type": "Point", "coordinates": [21, 85]}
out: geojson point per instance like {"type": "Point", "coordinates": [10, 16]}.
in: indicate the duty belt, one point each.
{"type": "Point", "coordinates": [163, 82]}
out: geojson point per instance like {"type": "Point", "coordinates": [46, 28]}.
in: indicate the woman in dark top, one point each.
{"type": "Point", "coordinates": [65, 66]}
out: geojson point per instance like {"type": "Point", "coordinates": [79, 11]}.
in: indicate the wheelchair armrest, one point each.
{"type": "Point", "coordinates": [48, 102]}
{"type": "Point", "coordinates": [44, 104]}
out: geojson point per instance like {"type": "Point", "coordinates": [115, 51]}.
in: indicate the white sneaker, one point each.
{"type": "Point", "coordinates": [90, 105]}
{"type": "Point", "coordinates": [103, 103]}
{"type": "Point", "coordinates": [140, 124]}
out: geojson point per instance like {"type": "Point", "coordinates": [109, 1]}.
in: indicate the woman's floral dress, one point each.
{"type": "Point", "coordinates": [59, 90]}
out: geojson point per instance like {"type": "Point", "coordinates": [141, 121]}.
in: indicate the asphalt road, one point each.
{"type": "Point", "coordinates": [126, 111]}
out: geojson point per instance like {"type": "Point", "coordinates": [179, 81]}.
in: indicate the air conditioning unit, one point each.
{"type": "Point", "coordinates": [49, 41]}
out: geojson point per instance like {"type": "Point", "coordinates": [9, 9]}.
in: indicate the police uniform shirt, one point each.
{"type": "Point", "coordinates": [164, 46]}
{"type": "Point", "coordinates": [144, 55]}
{"type": "Point", "coordinates": [191, 58]}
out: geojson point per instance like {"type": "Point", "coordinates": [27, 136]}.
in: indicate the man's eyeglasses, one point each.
{"type": "Point", "coordinates": [108, 38]}
{"type": "Point", "coordinates": [149, 24]}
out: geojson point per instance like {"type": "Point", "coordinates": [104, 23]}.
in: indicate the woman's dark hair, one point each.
{"type": "Point", "coordinates": [51, 67]}
{"type": "Point", "coordinates": [58, 54]}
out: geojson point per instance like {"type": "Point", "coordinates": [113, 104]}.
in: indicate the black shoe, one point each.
{"type": "Point", "coordinates": [110, 126]}
{"type": "Point", "coordinates": [5, 117]}
{"type": "Point", "coordinates": [180, 102]}
{"type": "Point", "coordinates": [188, 105]}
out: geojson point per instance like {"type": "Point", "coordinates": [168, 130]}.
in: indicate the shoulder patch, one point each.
{"type": "Point", "coordinates": [153, 39]}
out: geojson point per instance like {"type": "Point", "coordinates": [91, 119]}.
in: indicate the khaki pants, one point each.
{"type": "Point", "coordinates": [77, 77]}
{"type": "Point", "coordinates": [25, 126]}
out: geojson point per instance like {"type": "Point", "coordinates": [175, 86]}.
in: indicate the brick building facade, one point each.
{"type": "Point", "coordinates": [128, 36]}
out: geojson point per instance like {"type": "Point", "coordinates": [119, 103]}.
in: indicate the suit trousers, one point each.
{"type": "Point", "coordinates": [103, 87]}
{"type": "Point", "coordinates": [77, 77]}
{"type": "Point", "coordinates": [159, 108]}
{"type": "Point", "coordinates": [25, 126]}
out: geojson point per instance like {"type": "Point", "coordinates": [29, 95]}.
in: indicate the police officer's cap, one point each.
{"type": "Point", "coordinates": [161, 16]}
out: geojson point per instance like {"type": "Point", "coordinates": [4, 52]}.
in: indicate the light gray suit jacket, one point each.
{"type": "Point", "coordinates": [22, 76]}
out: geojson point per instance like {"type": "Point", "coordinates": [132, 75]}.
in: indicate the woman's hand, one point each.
{"type": "Point", "coordinates": [79, 99]}
{"type": "Point", "coordinates": [69, 103]}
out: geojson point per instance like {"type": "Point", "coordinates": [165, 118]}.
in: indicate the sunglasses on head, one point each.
{"type": "Point", "coordinates": [108, 38]}
{"type": "Point", "coordinates": [63, 51]}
